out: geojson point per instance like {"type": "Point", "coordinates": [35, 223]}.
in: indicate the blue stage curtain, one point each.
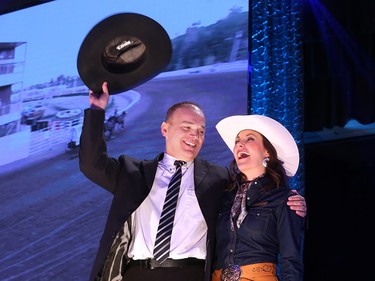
{"type": "Point", "coordinates": [276, 68]}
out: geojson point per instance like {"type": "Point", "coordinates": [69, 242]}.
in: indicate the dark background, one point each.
{"type": "Point", "coordinates": [339, 62]}
{"type": "Point", "coordinates": [339, 56]}
{"type": "Point", "coordinates": [340, 184]}
{"type": "Point", "coordinates": [339, 173]}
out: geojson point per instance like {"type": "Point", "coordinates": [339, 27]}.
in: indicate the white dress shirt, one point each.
{"type": "Point", "coordinates": [189, 230]}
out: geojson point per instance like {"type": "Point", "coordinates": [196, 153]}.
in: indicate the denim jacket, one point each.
{"type": "Point", "coordinates": [271, 230]}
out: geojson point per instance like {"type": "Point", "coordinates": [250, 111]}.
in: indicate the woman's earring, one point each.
{"type": "Point", "coordinates": [264, 162]}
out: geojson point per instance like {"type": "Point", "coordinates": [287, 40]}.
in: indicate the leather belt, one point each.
{"type": "Point", "coordinates": [152, 264]}
{"type": "Point", "coordinates": [264, 271]}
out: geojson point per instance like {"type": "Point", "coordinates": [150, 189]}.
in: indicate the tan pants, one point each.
{"type": "Point", "coordinates": [253, 272]}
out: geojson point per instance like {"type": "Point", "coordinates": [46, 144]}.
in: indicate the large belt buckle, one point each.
{"type": "Point", "coordinates": [231, 273]}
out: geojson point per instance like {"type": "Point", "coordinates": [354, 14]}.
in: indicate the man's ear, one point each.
{"type": "Point", "coordinates": [164, 128]}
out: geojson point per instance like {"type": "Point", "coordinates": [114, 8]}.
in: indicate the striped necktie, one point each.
{"type": "Point", "coordinates": [163, 235]}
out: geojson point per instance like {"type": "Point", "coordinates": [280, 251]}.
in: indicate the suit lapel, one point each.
{"type": "Point", "coordinates": [200, 171]}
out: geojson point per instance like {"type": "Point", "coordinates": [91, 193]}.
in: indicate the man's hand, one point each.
{"type": "Point", "coordinates": [297, 203]}
{"type": "Point", "coordinates": [100, 100]}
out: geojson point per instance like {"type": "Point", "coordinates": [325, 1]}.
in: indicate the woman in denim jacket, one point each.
{"type": "Point", "coordinates": [256, 229]}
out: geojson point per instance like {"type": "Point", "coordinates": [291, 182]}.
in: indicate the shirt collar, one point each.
{"type": "Point", "coordinates": [168, 162]}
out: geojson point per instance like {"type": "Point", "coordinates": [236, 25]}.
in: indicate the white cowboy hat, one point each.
{"type": "Point", "coordinates": [276, 133]}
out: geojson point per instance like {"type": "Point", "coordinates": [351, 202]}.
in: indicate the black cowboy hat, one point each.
{"type": "Point", "coordinates": [126, 50]}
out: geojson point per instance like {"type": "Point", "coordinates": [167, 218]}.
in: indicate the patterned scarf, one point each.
{"type": "Point", "coordinates": [239, 212]}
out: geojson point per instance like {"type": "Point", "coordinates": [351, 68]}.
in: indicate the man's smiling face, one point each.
{"type": "Point", "coordinates": [184, 132]}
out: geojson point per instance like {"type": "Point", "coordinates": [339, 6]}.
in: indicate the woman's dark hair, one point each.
{"type": "Point", "coordinates": [274, 170]}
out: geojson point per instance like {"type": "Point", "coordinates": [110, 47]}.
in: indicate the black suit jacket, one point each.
{"type": "Point", "coordinates": [130, 180]}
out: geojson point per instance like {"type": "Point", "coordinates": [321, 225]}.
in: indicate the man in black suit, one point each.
{"type": "Point", "coordinates": [139, 188]}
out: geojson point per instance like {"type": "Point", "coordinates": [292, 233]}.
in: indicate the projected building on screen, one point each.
{"type": "Point", "coordinates": [13, 136]}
